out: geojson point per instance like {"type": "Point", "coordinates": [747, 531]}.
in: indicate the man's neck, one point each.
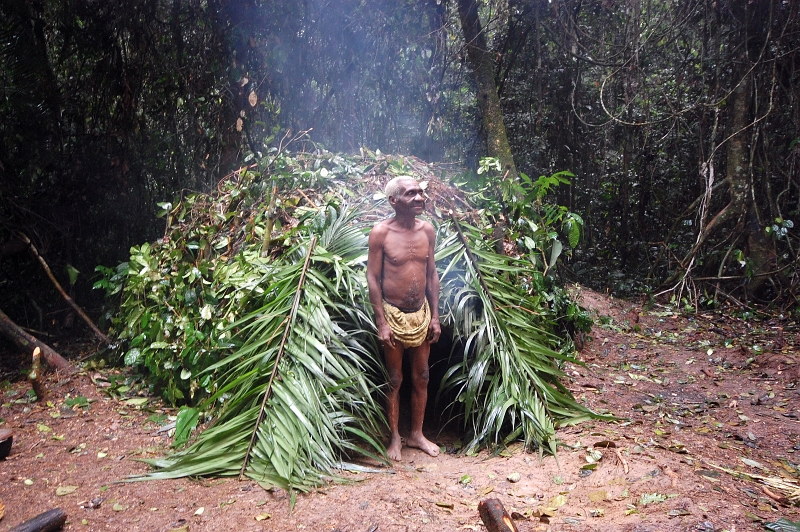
{"type": "Point", "coordinates": [406, 221]}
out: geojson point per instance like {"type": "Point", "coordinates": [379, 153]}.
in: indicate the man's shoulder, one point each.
{"type": "Point", "coordinates": [382, 226]}
{"type": "Point", "coordinates": [426, 226]}
{"type": "Point", "coordinates": [379, 230]}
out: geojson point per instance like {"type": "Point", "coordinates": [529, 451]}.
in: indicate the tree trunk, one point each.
{"type": "Point", "coordinates": [760, 252]}
{"type": "Point", "coordinates": [28, 343]}
{"type": "Point", "coordinates": [488, 100]}
{"type": "Point", "coordinates": [231, 122]}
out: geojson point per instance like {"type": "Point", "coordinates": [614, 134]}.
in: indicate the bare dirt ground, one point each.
{"type": "Point", "coordinates": [694, 391]}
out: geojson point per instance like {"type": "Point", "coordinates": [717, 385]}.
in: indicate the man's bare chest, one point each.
{"type": "Point", "coordinates": [405, 248]}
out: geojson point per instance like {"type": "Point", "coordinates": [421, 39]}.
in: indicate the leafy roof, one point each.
{"type": "Point", "coordinates": [268, 276]}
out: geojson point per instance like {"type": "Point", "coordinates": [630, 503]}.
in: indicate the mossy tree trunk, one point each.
{"type": "Point", "coordinates": [739, 167]}
{"type": "Point", "coordinates": [760, 250]}
{"type": "Point", "coordinates": [488, 100]}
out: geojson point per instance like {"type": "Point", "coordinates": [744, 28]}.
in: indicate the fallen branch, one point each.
{"type": "Point", "coordinates": [66, 297]}
{"type": "Point", "coordinates": [27, 343]}
{"type": "Point", "coordinates": [48, 521]}
{"type": "Point", "coordinates": [789, 489]}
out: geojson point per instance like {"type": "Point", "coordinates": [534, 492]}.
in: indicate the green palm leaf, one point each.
{"type": "Point", "coordinates": [505, 375]}
{"type": "Point", "coordinates": [322, 407]}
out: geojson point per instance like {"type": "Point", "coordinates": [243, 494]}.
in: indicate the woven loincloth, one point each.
{"type": "Point", "coordinates": [409, 328]}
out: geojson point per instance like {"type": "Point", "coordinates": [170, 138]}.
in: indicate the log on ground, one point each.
{"type": "Point", "coordinates": [495, 517]}
{"type": "Point", "coordinates": [27, 343]}
{"type": "Point", "coordinates": [6, 439]}
{"type": "Point", "coordinates": [49, 521]}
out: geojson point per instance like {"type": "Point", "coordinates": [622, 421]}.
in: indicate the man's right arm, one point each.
{"type": "Point", "coordinates": [374, 275]}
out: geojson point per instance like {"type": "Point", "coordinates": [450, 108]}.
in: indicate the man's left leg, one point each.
{"type": "Point", "coordinates": [418, 357]}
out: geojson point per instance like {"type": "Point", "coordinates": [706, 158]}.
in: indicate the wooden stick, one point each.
{"type": "Point", "coordinates": [621, 460]}
{"type": "Point", "coordinates": [27, 343]}
{"type": "Point", "coordinates": [289, 322]}
{"type": "Point", "coordinates": [471, 258]}
{"type": "Point", "coordinates": [672, 475]}
{"type": "Point", "coordinates": [775, 497]}
{"type": "Point", "coordinates": [35, 376]}
{"type": "Point", "coordinates": [66, 297]}
{"type": "Point", "coordinates": [495, 516]}
{"type": "Point", "coordinates": [49, 521]}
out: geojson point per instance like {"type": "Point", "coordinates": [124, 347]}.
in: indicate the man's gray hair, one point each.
{"type": "Point", "coordinates": [392, 189]}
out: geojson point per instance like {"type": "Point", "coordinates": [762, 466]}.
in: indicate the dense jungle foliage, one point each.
{"type": "Point", "coordinates": [678, 120]}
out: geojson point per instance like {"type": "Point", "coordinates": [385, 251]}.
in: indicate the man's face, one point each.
{"type": "Point", "coordinates": [410, 199]}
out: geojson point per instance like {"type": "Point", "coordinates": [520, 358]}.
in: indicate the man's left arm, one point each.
{"type": "Point", "coordinates": [432, 287]}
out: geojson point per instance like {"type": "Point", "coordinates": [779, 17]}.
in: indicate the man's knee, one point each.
{"type": "Point", "coordinates": [395, 379]}
{"type": "Point", "coordinates": [421, 376]}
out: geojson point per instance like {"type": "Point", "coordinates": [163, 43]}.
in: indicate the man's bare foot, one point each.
{"type": "Point", "coordinates": [422, 443]}
{"type": "Point", "coordinates": [393, 450]}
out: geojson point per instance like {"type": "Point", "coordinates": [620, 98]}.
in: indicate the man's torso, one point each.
{"type": "Point", "coordinates": [405, 261]}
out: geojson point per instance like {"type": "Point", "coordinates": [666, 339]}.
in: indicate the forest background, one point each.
{"type": "Point", "coordinates": [677, 119]}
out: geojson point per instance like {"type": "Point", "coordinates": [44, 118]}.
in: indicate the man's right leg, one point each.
{"type": "Point", "coordinates": [419, 398]}
{"type": "Point", "coordinates": [393, 356]}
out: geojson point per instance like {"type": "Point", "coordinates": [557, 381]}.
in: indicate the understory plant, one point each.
{"type": "Point", "coordinates": [252, 312]}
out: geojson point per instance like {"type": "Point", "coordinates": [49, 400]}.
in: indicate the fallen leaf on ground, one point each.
{"type": "Point", "coordinates": [783, 525]}
{"type": "Point", "coordinates": [65, 490]}
{"type": "Point", "coordinates": [598, 496]}
{"type": "Point", "coordinates": [752, 463]}
{"type": "Point", "coordinates": [136, 401]}
{"type": "Point", "coordinates": [678, 512]}
{"type": "Point", "coordinates": [651, 498]}
{"type": "Point", "coordinates": [557, 501]}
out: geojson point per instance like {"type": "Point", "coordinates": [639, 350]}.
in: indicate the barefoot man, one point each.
{"type": "Point", "coordinates": [404, 292]}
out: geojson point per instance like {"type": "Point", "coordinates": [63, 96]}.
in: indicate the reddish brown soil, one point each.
{"type": "Point", "coordinates": [686, 385]}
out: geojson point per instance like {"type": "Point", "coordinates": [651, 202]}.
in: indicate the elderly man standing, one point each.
{"type": "Point", "coordinates": [404, 292]}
